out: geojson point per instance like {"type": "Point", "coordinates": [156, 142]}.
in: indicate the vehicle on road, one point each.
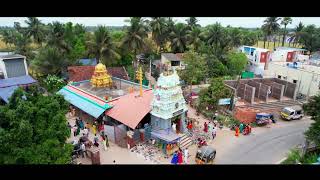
{"type": "Point", "coordinates": [205, 155]}
{"type": "Point", "coordinates": [292, 112]}
{"type": "Point", "coordinates": [264, 118]}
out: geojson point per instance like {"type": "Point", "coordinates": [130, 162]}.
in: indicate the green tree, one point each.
{"type": "Point", "coordinates": [195, 70]}
{"type": "Point", "coordinates": [56, 37]}
{"type": "Point", "coordinates": [236, 36]}
{"type": "Point", "coordinates": [285, 21]}
{"type": "Point", "coordinates": [210, 96]}
{"type": "Point", "coordinates": [50, 60]}
{"type": "Point", "coordinates": [194, 37]}
{"type": "Point", "coordinates": [178, 38]}
{"type": "Point", "coordinates": [312, 109]}
{"type": "Point", "coordinates": [35, 30]}
{"type": "Point", "coordinates": [236, 62]}
{"type": "Point", "coordinates": [33, 129]}
{"type": "Point", "coordinates": [296, 37]}
{"type": "Point", "coordinates": [310, 38]}
{"type": "Point", "coordinates": [192, 22]}
{"type": "Point", "coordinates": [215, 67]}
{"type": "Point", "coordinates": [135, 35]}
{"type": "Point", "coordinates": [271, 27]}
{"type": "Point", "coordinates": [53, 83]}
{"type": "Point", "coordinates": [102, 47]}
{"type": "Point", "coordinates": [159, 31]}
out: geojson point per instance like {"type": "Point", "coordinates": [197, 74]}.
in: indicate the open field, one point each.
{"type": "Point", "coordinates": [271, 47]}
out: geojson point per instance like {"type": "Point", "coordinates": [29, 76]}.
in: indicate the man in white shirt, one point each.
{"type": "Point", "coordinates": [186, 155]}
{"type": "Point", "coordinates": [85, 131]}
{"type": "Point", "coordinates": [214, 132]}
{"type": "Point", "coordinates": [174, 127]}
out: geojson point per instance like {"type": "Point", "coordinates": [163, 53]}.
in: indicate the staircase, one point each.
{"type": "Point", "coordinates": [271, 106]}
{"type": "Point", "coordinates": [185, 141]}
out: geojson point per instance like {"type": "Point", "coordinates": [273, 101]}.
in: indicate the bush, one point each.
{"type": "Point", "coordinates": [293, 157]}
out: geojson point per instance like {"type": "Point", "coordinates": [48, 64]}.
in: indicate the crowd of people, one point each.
{"type": "Point", "coordinates": [180, 157]}
{"type": "Point", "coordinates": [244, 129]}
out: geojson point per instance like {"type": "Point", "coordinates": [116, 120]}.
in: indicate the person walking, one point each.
{"type": "Point", "coordinates": [237, 131]}
{"type": "Point", "coordinates": [78, 131]}
{"type": "Point", "coordinates": [180, 156]}
{"type": "Point", "coordinates": [190, 126]}
{"type": "Point", "coordinates": [241, 127]}
{"type": "Point", "coordinates": [83, 150]}
{"type": "Point", "coordinates": [174, 159]}
{"type": "Point", "coordinates": [214, 132]}
{"type": "Point", "coordinates": [104, 142]}
{"type": "Point", "coordinates": [205, 129]}
{"type": "Point", "coordinates": [174, 127]}
{"type": "Point", "coordinates": [95, 140]}
{"type": "Point", "coordinates": [186, 155]}
{"type": "Point", "coordinates": [210, 126]}
{"type": "Point", "coordinates": [94, 129]}
{"type": "Point", "coordinates": [86, 132]}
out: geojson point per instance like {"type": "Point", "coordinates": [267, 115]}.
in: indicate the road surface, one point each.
{"type": "Point", "coordinates": [264, 145]}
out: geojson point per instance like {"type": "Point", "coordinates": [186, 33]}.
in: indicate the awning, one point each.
{"type": "Point", "coordinates": [22, 80]}
{"type": "Point", "coordinates": [167, 136]}
{"type": "Point", "coordinates": [131, 108]}
{"type": "Point", "coordinates": [86, 102]}
{"type": "Point", "coordinates": [6, 93]}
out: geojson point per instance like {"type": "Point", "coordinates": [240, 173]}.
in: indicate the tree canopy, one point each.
{"type": "Point", "coordinates": [33, 129]}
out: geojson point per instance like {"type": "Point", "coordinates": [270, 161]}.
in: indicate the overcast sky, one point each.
{"type": "Point", "coordinates": [249, 22]}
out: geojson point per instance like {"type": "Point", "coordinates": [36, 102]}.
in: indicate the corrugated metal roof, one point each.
{"type": "Point", "coordinates": [11, 56]}
{"type": "Point", "coordinates": [22, 80]}
{"type": "Point", "coordinates": [6, 93]}
{"type": "Point", "coordinates": [86, 102]}
{"type": "Point", "coordinates": [130, 109]}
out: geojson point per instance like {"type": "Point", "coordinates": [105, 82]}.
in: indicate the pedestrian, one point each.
{"type": "Point", "coordinates": [74, 128]}
{"type": "Point", "coordinates": [174, 127]}
{"type": "Point", "coordinates": [210, 126]}
{"type": "Point", "coordinates": [86, 132]}
{"type": "Point", "coordinates": [190, 126]}
{"type": "Point", "coordinates": [104, 144]}
{"type": "Point", "coordinates": [83, 150]}
{"type": "Point", "coordinates": [70, 127]}
{"type": "Point", "coordinates": [81, 124]}
{"type": "Point", "coordinates": [214, 132]}
{"type": "Point", "coordinates": [94, 130]}
{"type": "Point", "coordinates": [186, 155]}
{"type": "Point", "coordinates": [241, 127]}
{"type": "Point", "coordinates": [237, 131]}
{"type": "Point", "coordinates": [95, 140]}
{"type": "Point", "coordinates": [249, 128]}
{"type": "Point", "coordinates": [205, 129]}
{"type": "Point", "coordinates": [174, 159]}
{"type": "Point", "coordinates": [78, 131]}
{"type": "Point", "coordinates": [180, 156]}
{"type": "Point", "coordinates": [77, 121]}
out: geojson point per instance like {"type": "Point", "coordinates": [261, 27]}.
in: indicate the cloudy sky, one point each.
{"type": "Point", "coordinates": [250, 22]}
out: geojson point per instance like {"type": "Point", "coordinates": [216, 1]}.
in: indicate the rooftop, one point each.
{"type": "Point", "coordinates": [11, 56]}
{"type": "Point", "coordinates": [173, 56]}
{"type": "Point", "coordinates": [121, 88]}
{"type": "Point", "coordinates": [289, 48]}
{"type": "Point", "coordinates": [300, 66]}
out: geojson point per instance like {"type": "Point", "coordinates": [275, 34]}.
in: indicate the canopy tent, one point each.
{"type": "Point", "coordinates": [6, 93]}
{"type": "Point", "coordinates": [131, 108]}
{"type": "Point", "coordinates": [88, 103]}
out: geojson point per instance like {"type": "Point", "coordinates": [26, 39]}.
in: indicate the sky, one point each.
{"type": "Point", "coordinates": [247, 22]}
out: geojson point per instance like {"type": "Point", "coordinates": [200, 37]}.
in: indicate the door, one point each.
{"type": "Point", "coordinates": [289, 56]}
{"type": "Point", "coordinates": [15, 67]}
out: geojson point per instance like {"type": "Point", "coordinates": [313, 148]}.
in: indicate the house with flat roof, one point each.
{"type": "Point", "coordinates": [172, 60]}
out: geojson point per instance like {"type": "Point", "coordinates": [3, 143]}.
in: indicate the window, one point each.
{"type": "Point", "coordinates": [279, 77]}
{"type": "Point", "coordinates": [251, 53]}
{"type": "Point", "coordinates": [291, 113]}
{"type": "Point", "coordinates": [175, 63]}
{"type": "Point", "coordinates": [285, 77]}
{"type": "Point", "coordinates": [294, 81]}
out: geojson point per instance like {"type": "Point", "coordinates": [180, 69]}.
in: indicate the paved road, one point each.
{"type": "Point", "coordinates": [265, 145]}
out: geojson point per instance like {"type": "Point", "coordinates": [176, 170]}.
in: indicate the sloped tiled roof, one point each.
{"type": "Point", "coordinates": [81, 73]}
{"type": "Point", "coordinates": [173, 56]}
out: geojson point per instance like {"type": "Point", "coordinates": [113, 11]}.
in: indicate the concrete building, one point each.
{"type": "Point", "coordinates": [257, 58]}
{"type": "Point", "coordinates": [172, 60]}
{"type": "Point", "coordinates": [288, 54]}
{"type": "Point", "coordinates": [13, 65]}
{"type": "Point", "coordinates": [306, 76]}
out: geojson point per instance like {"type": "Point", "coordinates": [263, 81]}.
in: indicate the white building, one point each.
{"type": "Point", "coordinates": [288, 54]}
{"type": "Point", "coordinates": [305, 75]}
{"type": "Point", "coordinates": [13, 65]}
{"type": "Point", "coordinates": [172, 60]}
{"type": "Point", "coordinates": [257, 58]}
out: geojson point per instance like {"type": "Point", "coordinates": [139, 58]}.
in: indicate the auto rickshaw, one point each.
{"type": "Point", "coordinates": [205, 155]}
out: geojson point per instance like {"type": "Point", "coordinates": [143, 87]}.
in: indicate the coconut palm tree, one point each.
{"type": "Point", "coordinates": [192, 22]}
{"type": "Point", "coordinates": [35, 30]}
{"type": "Point", "coordinates": [135, 35]}
{"type": "Point", "coordinates": [297, 34]}
{"type": "Point", "coordinates": [7, 36]}
{"type": "Point", "coordinates": [285, 21]}
{"type": "Point", "coordinates": [56, 37]}
{"type": "Point", "coordinates": [236, 36]}
{"type": "Point", "coordinates": [214, 34]}
{"type": "Point", "coordinates": [101, 45]}
{"type": "Point", "coordinates": [194, 37]}
{"type": "Point", "coordinates": [178, 38]}
{"type": "Point", "coordinates": [159, 29]}
{"type": "Point", "coordinates": [271, 27]}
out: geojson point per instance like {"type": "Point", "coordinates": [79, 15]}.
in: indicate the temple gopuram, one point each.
{"type": "Point", "coordinates": [100, 77]}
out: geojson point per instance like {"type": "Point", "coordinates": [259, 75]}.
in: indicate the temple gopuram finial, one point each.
{"type": "Point", "coordinates": [100, 77]}
{"type": "Point", "coordinates": [139, 76]}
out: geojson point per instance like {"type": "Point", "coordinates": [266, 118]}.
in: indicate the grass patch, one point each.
{"type": "Point", "coordinates": [271, 47]}
{"type": "Point", "coordinates": [295, 157]}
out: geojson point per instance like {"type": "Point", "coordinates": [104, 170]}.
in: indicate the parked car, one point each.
{"type": "Point", "coordinates": [292, 112]}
